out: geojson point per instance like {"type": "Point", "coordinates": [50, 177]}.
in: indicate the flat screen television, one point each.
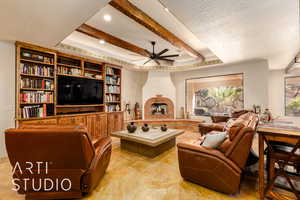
{"type": "Point", "coordinates": [79, 91]}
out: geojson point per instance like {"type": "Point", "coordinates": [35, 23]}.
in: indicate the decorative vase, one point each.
{"type": "Point", "coordinates": [131, 127]}
{"type": "Point", "coordinates": [145, 128]}
{"type": "Point", "coordinates": [164, 127]}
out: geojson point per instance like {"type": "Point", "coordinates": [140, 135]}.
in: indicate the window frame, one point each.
{"type": "Point", "coordinates": [284, 96]}
{"type": "Point", "coordinates": [212, 76]}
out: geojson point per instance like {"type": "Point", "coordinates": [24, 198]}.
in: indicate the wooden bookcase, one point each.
{"type": "Point", "coordinates": [35, 82]}
{"type": "Point", "coordinates": [113, 90]}
{"type": "Point", "coordinates": [37, 71]}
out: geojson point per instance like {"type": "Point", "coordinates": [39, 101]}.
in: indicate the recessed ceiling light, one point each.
{"type": "Point", "coordinates": [101, 41]}
{"type": "Point", "coordinates": [166, 9]}
{"type": "Point", "coordinates": [107, 18]}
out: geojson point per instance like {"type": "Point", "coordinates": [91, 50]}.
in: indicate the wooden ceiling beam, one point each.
{"type": "Point", "coordinates": [130, 10]}
{"type": "Point", "coordinates": [93, 32]}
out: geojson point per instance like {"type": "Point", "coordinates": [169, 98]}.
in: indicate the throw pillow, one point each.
{"type": "Point", "coordinates": [228, 124]}
{"type": "Point", "coordinates": [214, 140]}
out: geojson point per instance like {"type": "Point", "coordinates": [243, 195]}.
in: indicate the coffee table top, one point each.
{"type": "Point", "coordinates": [153, 137]}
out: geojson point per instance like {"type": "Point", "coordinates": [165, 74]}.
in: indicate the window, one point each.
{"type": "Point", "coordinates": [214, 95]}
{"type": "Point", "coordinates": [292, 96]}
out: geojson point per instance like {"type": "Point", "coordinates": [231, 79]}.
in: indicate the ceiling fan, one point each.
{"type": "Point", "coordinates": [159, 56]}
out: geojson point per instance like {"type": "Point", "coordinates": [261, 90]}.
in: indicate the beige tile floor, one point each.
{"type": "Point", "coordinates": [133, 177]}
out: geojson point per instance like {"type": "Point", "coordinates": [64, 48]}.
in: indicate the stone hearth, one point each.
{"type": "Point", "coordinates": [159, 107]}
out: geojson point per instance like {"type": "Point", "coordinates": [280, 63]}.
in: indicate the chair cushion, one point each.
{"type": "Point", "coordinates": [214, 140]}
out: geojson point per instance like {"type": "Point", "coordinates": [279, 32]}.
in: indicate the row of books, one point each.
{"type": "Point", "coordinates": [70, 71]}
{"type": "Point", "coordinates": [34, 111]}
{"type": "Point", "coordinates": [36, 70]}
{"type": "Point", "coordinates": [91, 75]}
{"type": "Point", "coordinates": [112, 89]}
{"type": "Point", "coordinates": [113, 108]}
{"type": "Point", "coordinates": [113, 80]}
{"type": "Point", "coordinates": [110, 70]}
{"type": "Point", "coordinates": [111, 97]}
{"type": "Point", "coordinates": [36, 97]}
{"type": "Point", "coordinates": [37, 83]}
{"type": "Point", "coordinates": [36, 57]}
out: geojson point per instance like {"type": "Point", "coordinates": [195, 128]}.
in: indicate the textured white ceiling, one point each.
{"type": "Point", "coordinates": [127, 29]}
{"type": "Point", "coordinates": [44, 22]}
{"type": "Point", "coordinates": [238, 30]}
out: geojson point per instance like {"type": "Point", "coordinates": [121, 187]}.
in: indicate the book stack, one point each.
{"type": "Point", "coordinates": [36, 70]}
{"type": "Point", "coordinates": [110, 71]}
{"type": "Point", "coordinates": [91, 75]}
{"type": "Point", "coordinates": [112, 89]}
{"type": "Point", "coordinates": [69, 71]}
{"type": "Point", "coordinates": [113, 80]}
{"type": "Point", "coordinates": [37, 57]}
{"type": "Point", "coordinates": [37, 83]}
{"type": "Point", "coordinates": [112, 98]}
{"type": "Point", "coordinates": [34, 111]}
{"type": "Point", "coordinates": [36, 97]}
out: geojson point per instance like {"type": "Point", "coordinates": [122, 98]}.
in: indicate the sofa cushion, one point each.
{"type": "Point", "coordinates": [214, 140]}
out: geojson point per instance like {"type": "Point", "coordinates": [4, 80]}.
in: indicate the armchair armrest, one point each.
{"type": "Point", "coordinates": [205, 128]}
{"type": "Point", "coordinates": [208, 152]}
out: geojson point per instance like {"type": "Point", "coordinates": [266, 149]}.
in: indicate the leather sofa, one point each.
{"type": "Point", "coordinates": [219, 169]}
{"type": "Point", "coordinates": [66, 155]}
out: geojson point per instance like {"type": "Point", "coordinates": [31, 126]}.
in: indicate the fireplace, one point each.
{"type": "Point", "coordinates": [159, 107]}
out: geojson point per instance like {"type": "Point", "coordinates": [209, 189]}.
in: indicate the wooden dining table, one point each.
{"type": "Point", "coordinates": [279, 133]}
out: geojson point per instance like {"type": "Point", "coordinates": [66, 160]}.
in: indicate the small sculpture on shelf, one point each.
{"type": "Point", "coordinates": [145, 128]}
{"type": "Point", "coordinates": [164, 127]}
{"type": "Point", "coordinates": [131, 128]}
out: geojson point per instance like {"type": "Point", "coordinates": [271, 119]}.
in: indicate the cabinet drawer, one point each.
{"type": "Point", "coordinates": [40, 122]}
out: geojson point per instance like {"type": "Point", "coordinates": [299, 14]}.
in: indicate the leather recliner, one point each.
{"type": "Point", "coordinates": [67, 156]}
{"type": "Point", "coordinates": [219, 169]}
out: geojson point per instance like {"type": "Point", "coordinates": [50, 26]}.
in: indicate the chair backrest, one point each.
{"type": "Point", "coordinates": [63, 148]}
{"type": "Point", "coordinates": [238, 145]}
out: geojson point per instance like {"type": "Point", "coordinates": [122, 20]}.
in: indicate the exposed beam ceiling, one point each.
{"type": "Point", "coordinates": [93, 32]}
{"type": "Point", "coordinates": [142, 18]}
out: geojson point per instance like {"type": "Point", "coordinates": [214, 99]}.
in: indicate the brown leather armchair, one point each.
{"type": "Point", "coordinates": [66, 156]}
{"type": "Point", "coordinates": [219, 169]}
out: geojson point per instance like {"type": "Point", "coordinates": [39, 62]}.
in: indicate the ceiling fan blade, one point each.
{"type": "Point", "coordinates": [165, 59]}
{"type": "Point", "coordinates": [157, 62]}
{"type": "Point", "coordinates": [147, 61]}
{"type": "Point", "coordinates": [169, 56]}
{"type": "Point", "coordinates": [162, 52]}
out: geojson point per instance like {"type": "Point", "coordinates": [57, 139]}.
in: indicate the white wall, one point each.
{"type": "Point", "coordinates": [255, 81]}
{"type": "Point", "coordinates": [7, 89]}
{"type": "Point", "coordinates": [276, 96]}
{"type": "Point", "coordinates": [159, 83]}
{"type": "Point", "coordinates": [132, 84]}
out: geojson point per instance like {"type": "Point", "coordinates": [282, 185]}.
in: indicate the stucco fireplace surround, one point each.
{"type": "Point", "coordinates": [159, 107]}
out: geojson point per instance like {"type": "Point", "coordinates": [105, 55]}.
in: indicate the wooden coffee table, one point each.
{"type": "Point", "coordinates": [151, 143]}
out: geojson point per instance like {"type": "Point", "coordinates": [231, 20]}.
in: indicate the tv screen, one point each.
{"type": "Point", "coordinates": [79, 91]}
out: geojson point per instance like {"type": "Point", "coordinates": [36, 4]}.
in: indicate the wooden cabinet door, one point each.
{"type": "Point", "coordinates": [115, 122]}
{"type": "Point", "coordinates": [97, 125]}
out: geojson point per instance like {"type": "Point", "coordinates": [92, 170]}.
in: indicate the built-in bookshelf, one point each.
{"type": "Point", "coordinates": [113, 88]}
{"type": "Point", "coordinates": [35, 69]}
{"type": "Point", "coordinates": [37, 72]}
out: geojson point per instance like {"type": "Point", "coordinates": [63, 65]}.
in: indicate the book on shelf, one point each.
{"type": "Point", "coordinates": [112, 89]}
{"type": "Point", "coordinates": [91, 75]}
{"type": "Point", "coordinates": [39, 70]}
{"type": "Point", "coordinates": [34, 111]}
{"type": "Point", "coordinates": [36, 97]}
{"type": "Point", "coordinates": [36, 57]}
{"type": "Point", "coordinates": [37, 83]}
{"type": "Point", "coordinates": [69, 71]}
{"type": "Point", "coordinates": [113, 108]}
{"type": "Point", "coordinates": [112, 98]}
{"type": "Point", "coordinates": [111, 71]}
{"type": "Point", "coordinates": [113, 80]}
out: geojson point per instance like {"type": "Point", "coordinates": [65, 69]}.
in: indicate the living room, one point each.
{"type": "Point", "coordinates": [159, 99]}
